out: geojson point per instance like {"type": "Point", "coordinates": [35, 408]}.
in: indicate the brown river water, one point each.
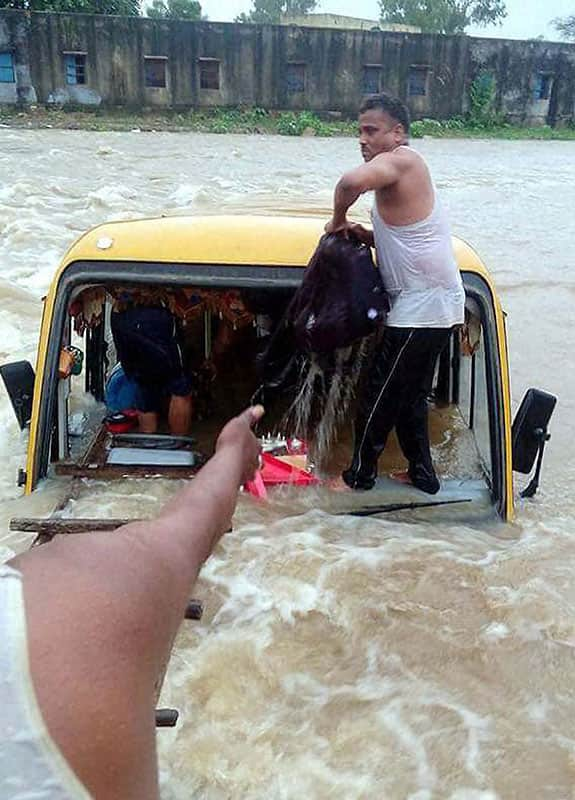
{"type": "Point", "coordinates": [341, 658]}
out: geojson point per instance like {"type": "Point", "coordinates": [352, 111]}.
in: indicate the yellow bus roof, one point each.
{"type": "Point", "coordinates": [271, 240]}
{"type": "Point", "coordinates": [267, 241]}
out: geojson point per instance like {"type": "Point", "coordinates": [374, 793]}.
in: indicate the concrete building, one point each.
{"type": "Point", "coordinates": [138, 62]}
{"type": "Point", "coordinates": [345, 23]}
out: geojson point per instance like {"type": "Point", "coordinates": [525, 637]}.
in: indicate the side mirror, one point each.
{"type": "Point", "coordinates": [18, 378]}
{"type": "Point", "coordinates": [529, 434]}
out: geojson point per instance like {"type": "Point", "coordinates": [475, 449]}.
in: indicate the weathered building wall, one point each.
{"type": "Point", "coordinates": [138, 62]}
{"type": "Point", "coordinates": [14, 39]}
{"type": "Point", "coordinates": [517, 67]}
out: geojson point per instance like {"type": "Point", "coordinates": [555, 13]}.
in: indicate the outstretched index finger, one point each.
{"type": "Point", "coordinates": [253, 414]}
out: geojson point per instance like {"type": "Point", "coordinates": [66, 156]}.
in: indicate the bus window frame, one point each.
{"type": "Point", "coordinates": [479, 290]}
{"type": "Point", "coordinates": [80, 273]}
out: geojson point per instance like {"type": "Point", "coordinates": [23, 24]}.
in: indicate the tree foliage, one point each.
{"type": "Point", "coordinates": [270, 11]}
{"type": "Point", "coordinates": [130, 8]}
{"type": "Point", "coordinates": [442, 16]}
{"type": "Point", "coordinates": [565, 26]}
{"type": "Point", "coordinates": [175, 9]}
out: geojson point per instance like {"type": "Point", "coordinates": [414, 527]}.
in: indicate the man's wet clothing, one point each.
{"type": "Point", "coordinates": [427, 300]}
{"type": "Point", "coordinates": [395, 395]}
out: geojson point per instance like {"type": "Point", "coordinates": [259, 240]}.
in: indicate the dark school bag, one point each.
{"type": "Point", "coordinates": [341, 298]}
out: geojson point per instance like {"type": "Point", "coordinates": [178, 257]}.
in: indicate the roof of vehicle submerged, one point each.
{"type": "Point", "coordinates": [272, 240]}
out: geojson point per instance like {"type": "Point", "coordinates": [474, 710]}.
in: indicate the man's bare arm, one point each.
{"type": "Point", "coordinates": [383, 170]}
{"type": "Point", "coordinates": [102, 613]}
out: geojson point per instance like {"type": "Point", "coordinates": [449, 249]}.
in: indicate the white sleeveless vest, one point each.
{"type": "Point", "coordinates": [31, 765]}
{"type": "Point", "coordinates": [419, 271]}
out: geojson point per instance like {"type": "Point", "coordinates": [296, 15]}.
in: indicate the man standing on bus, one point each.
{"type": "Point", "coordinates": [412, 239]}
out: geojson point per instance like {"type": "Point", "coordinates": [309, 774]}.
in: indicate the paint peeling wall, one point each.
{"type": "Point", "coordinates": [253, 63]}
{"type": "Point", "coordinates": [14, 40]}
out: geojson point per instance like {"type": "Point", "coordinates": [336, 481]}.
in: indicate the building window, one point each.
{"type": "Point", "coordinates": [372, 79]}
{"type": "Point", "coordinates": [155, 71]}
{"type": "Point", "coordinates": [417, 83]}
{"type": "Point", "coordinates": [209, 73]}
{"type": "Point", "coordinates": [7, 68]}
{"type": "Point", "coordinates": [295, 77]}
{"type": "Point", "coordinates": [543, 85]}
{"type": "Point", "coordinates": [75, 68]}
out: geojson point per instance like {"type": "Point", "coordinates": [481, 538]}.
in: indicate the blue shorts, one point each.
{"type": "Point", "coordinates": [123, 393]}
{"type": "Point", "coordinates": [148, 348]}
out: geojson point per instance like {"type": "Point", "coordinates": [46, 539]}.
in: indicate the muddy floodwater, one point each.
{"type": "Point", "coordinates": [341, 658]}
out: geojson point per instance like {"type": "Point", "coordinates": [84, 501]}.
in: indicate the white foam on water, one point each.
{"type": "Point", "coordinates": [538, 709]}
{"type": "Point", "coordinates": [496, 631]}
{"type": "Point", "coordinates": [111, 197]}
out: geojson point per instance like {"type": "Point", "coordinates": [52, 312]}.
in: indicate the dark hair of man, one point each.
{"type": "Point", "coordinates": [393, 107]}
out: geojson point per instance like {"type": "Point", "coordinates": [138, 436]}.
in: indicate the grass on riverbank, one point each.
{"type": "Point", "coordinates": [460, 128]}
{"type": "Point", "coordinates": [220, 120]}
{"type": "Point", "coordinates": [253, 120]}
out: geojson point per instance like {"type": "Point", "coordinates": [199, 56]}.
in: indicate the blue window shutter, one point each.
{"type": "Point", "coordinates": [371, 80]}
{"type": "Point", "coordinates": [7, 68]}
{"type": "Point", "coordinates": [543, 86]}
{"type": "Point", "coordinates": [417, 82]}
{"type": "Point", "coordinates": [70, 62]}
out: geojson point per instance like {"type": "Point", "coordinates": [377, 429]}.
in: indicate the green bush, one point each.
{"type": "Point", "coordinates": [454, 124]}
{"type": "Point", "coordinates": [254, 120]}
{"type": "Point", "coordinates": [289, 123]}
{"type": "Point", "coordinates": [417, 129]}
{"type": "Point", "coordinates": [426, 127]}
{"type": "Point", "coordinates": [482, 95]}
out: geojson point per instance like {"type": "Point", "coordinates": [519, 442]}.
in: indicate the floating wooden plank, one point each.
{"type": "Point", "coordinates": [74, 489]}
{"type": "Point", "coordinates": [110, 472]}
{"type": "Point", "coordinates": [53, 526]}
{"type": "Point", "coordinates": [95, 452]}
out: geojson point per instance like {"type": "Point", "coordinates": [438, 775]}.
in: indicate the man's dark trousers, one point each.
{"type": "Point", "coordinates": [395, 395]}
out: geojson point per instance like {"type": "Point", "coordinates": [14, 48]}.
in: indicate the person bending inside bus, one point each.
{"type": "Point", "coordinates": [148, 345]}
